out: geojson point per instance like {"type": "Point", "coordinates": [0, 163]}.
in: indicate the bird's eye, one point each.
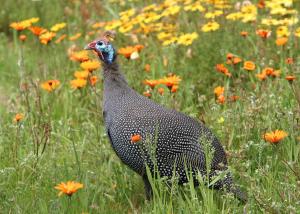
{"type": "Point", "coordinates": [100, 43]}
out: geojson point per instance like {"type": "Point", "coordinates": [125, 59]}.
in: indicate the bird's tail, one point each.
{"type": "Point", "coordinates": [229, 185]}
{"type": "Point", "coordinates": [238, 193]}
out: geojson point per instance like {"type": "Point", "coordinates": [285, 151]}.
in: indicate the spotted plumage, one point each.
{"type": "Point", "coordinates": [168, 139]}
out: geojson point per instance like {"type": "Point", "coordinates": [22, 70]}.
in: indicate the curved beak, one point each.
{"type": "Point", "coordinates": [90, 46]}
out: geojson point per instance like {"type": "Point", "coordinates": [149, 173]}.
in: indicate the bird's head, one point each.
{"type": "Point", "coordinates": [103, 48]}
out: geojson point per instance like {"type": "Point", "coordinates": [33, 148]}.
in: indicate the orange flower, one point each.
{"type": "Point", "coordinates": [79, 56]}
{"type": "Point", "coordinates": [45, 38]}
{"type": "Point", "coordinates": [22, 37]}
{"type": "Point", "coordinates": [263, 33]}
{"type": "Point", "coordinates": [81, 74]}
{"type": "Point", "coordinates": [19, 26]}
{"type": "Point", "coordinates": [161, 91]}
{"type": "Point", "coordinates": [170, 81]}
{"type": "Point", "coordinates": [289, 61]}
{"type": "Point", "coordinates": [236, 60]}
{"type": "Point", "coordinates": [78, 83]}
{"type": "Point", "coordinates": [262, 76]}
{"type": "Point", "coordinates": [244, 33]}
{"type": "Point", "coordinates": [93, 80]}
{"type": "Point", "coordinates": [234, 98]}
{"type": "Point", "coordinates": [129, 50]}
{"type": "Point", "coordinates": [268, 71]}
{"type": "Point", "coordinates": [261, 4]}
{"type": "Point", "coordinates": [135, 138]}
{"type": "Point", "coordinates": [147, 93]}
{"type": "Point", "coordinates": [139, 47]}
{"type": "Point", "coordinates": [147, 68]}
{"type": "Point", "coordinates": [23, 24]}
{"type": "Point", "coordinates": [229, 56]}
{"type": "Point", "coordinates": [90, 65]}
{"type": "Point", "coordinates": [18, 117]}
{"type": "Point", "coordinates": [37, 30]}
{"type": "Point", "coordinates": [219, 91]}
{"type": "Point", "coordinates": [59, 39]}
{"type": "Point", "coordinates": [68, 188]}
{"type": "Point", "coordinates": [222, 69]}
{"type": "Point", "coordinates": [275, 137]}
{"type": "Point", "coordinates": [281, 41]}
{"type": "Point", "coordinates": [249, 65]}
{"type": "Point", "coordinates": [174, 88]}
{"type": "Point", "coordinates": [276, 73]}
{"type": "Point", "coordinates": [151, 83]}
{"type": "Point", "coordinates": [290, 78]}
{"type": "Point", "coordinates": [75, 37]}
{"type": "Point", "coordinates": [221, 99]}
{"type": "Point", "coordinates": [50, 85]}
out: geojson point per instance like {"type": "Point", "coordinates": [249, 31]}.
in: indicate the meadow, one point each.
{"type": "Point", "coordinates": [233, 65]}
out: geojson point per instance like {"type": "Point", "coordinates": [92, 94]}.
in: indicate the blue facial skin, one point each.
{"type": "Point", "coordinates": [107, 51]}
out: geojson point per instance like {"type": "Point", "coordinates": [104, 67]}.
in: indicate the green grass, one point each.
{"type": "Point", "coordinates": [62, 136]}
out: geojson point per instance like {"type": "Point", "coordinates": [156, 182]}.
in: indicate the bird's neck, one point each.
{"type": "Point", "coordinates": [112, 74]}
{"type": "Point", "coordinates": [115, 84]}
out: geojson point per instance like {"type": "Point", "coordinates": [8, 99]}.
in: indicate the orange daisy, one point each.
{"type": "Point", "coordinates": [68, 188]}
{"type": "Point", "coordinates": [78, 83]}
{"type": "Point", "coordinates": [249, 65]}
{"type": "Point", "coordinates": [79, 56]}
{"type": "Point", "coordinates": [275, 137]}
{"type": "Point", "coordinates": [18, 117]}
{"type": "Point", "coordinates": [90, 65]}
{"type": "Point", "coordinates": [37, 30]}
{"type": "Point", "coordinates": [50, 85]}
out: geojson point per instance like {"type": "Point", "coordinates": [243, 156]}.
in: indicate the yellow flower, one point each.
{"type": "Point", "coordinates": [275, 137]}
{"type": "Point", "coordinates": [127, 13]}
{"type": "Point", "coordinates": [234, 16]}
{"type": "Point", "coordinates": [33, 20]}
{"type": "Point", "coordinates": [81, 74]}
{"type": "Point", "coordinates": [50, 85]}
{"type": "Point", "coordinates": [212, 15]}
{"type": "Point", "coordinates": [194, 7]}
{"type": "Point", "coordinates": [187, 39]}
{"type": "Point", "coordinates": [124, 28]}
{"type": "Point", "coordinates": [169, 41]}
{"type": "Point", "coordinates": [90, 65]}
{"type": "Point", "coordinates": [210, 26]}
{"type": "Point", "coordinates": [58, 27]}
{"type": "Point", "coordinates": [297, 32]}
{"type": "Point", "coordinates": [164, 35]}
{"type": "Point", "coordinates": [282, 31]}
{"type": "Point", "coordinates": [68, 188]}
{"type": "Point", "coordinates": [78, 83]}
{"type": "Point", "coordinates": [112, 24]}
{"type": "Point", "coordinates": [45, 38]}
{"type": "Point", "coordinates": [173, 10]}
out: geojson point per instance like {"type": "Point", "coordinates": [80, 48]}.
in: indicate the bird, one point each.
{"type": "Point", "coordinates": [146, 134]}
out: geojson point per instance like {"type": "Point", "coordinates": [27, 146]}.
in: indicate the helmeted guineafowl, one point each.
{"type": "Point", "coordinates": [175, 137]}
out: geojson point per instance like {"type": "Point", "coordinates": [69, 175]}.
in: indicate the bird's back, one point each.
{"type": "Point", "coordinates": [169, 138]}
